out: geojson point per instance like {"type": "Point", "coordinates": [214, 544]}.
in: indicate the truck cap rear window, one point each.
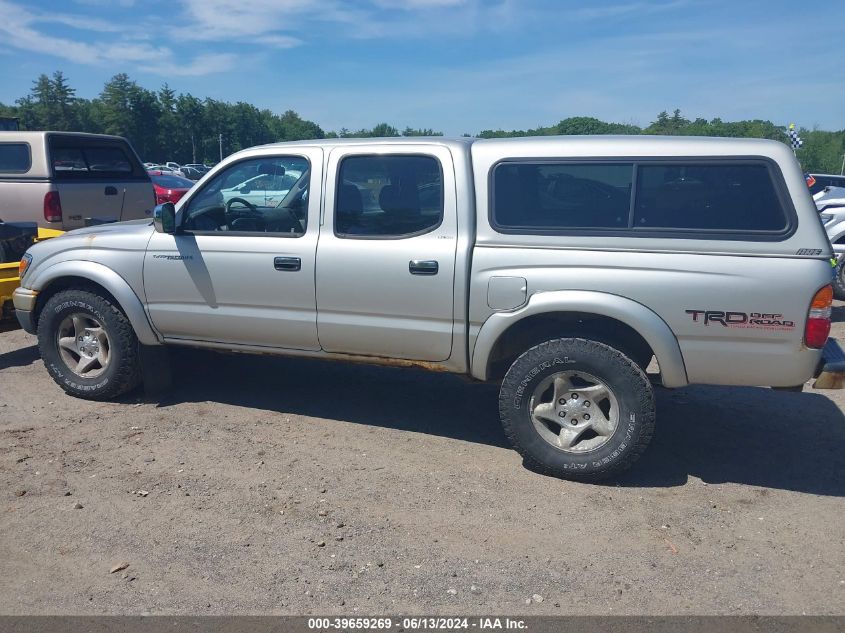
{"type": "Point", "coordinates": [705, 199]}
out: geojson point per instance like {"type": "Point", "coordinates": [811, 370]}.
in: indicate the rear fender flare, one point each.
{"type": "Point", "coordinates": [647, 323]}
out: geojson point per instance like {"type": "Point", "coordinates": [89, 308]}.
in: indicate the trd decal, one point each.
{"type": "Point", "coordinates": [766, 320]}
{"type": "Point", "coordinates": [177, 258]}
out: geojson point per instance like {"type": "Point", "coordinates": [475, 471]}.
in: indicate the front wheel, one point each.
{"type": "Point", "coordinates": [577, 409]}
{"type": "Point", "coordinates": [88, 345]}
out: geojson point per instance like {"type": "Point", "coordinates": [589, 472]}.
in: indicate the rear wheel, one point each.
{"type": "Point", "coordinates": [88, 345]}
{"type": "Point", "coordinates": [577, 409]}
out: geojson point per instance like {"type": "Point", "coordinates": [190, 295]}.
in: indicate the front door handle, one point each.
{"type": "Point", "coordinates": [423, 267]}
{"type": "Point", "coordinates": [287, 263]}
{"type": "Point", "coordinates": [111, 191]}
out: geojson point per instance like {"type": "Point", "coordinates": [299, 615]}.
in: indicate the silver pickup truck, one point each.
{"type": "Point", "coordinates": [558, 267]}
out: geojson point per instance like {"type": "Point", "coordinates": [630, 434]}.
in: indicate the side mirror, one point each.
{"type": "Point", "coordinates": [164, 218]}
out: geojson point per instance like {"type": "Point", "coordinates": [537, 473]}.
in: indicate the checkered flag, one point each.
{"type": "Point", "coordinates": [794, 139]}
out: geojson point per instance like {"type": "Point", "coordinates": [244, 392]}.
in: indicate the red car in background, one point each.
{"type": "Point", "coordinates": [169, 188]}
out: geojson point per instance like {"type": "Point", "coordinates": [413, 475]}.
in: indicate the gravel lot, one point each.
{"type": "Point", "coordinates": [266, 485]}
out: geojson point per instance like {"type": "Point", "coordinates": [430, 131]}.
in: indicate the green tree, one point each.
{"type": "Point", "coordinates": [420, 132]}
{"type": "Point", "coordinates": [190, 138]}
{"type": "Point", "coordinates": [64, 102]}
{"type": "Point", "coordinates": [167, 127]}
{"type": "Point", "coordinates": [383, 129]}
{"type": "Point", "coordinates": [590, 125]}
{"type": "Point", "coordinates": [292, 127]}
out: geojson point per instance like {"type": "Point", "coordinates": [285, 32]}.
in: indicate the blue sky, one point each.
{"type": "Point", "coordinates": [453, 65]}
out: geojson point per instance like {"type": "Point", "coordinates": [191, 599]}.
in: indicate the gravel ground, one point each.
{"type": "Point", "coordinates": [268, 485]}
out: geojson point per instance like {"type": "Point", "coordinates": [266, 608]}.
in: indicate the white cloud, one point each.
{"type": "Point", "coordinates": [204, 65]}
{"type": "Point", "coordinates": [627, 9]}
{"type": "Point", "coordinates": [79, 22]}
{"type": "Point", "coordinates": [287, 22]}
{"type": "Point", "coordinates": [105, 3]}
{"type": "Point", "coordinates": [417, 4]}
{"type": "Point", "coordinates": [19, 26]}
{"type": "Point", "coordinates": [227, 20]}
{"type": "Point", "coordinates": [278, 41]}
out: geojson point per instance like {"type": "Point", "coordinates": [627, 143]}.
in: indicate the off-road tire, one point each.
{"type": "Point", "coordinates": [631, 387]}
{"type": "Point", "coordinates": [124, 370]}
{"type": "Point", "coordinates": [839, 279]}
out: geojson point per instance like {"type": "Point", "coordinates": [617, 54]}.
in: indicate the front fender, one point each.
{"type": "Point", "coordinates": [648, 324]}
{"type": "Point", "coordinates": [108, 279]}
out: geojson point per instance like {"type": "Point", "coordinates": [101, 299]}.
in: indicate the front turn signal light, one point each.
{"type": "Point", "coordinates": [26, 260]}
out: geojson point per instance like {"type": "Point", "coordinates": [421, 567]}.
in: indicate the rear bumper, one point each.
{"type": "Point", "coordinates": [830, 373]}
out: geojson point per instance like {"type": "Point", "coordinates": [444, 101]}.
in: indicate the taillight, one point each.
{"type": "Point", "coordinates": [52, 207]}
{"type": "Point", "coordinates": [818, 319]}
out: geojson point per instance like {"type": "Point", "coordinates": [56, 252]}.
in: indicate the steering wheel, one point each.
{"type": "Point", "coordinates": [246, 203]}
{"type": "Point", "coordinates": [239, 213]}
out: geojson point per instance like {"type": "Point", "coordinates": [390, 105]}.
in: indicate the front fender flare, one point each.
{"type": "Point", "coordinates": [647, 323]}
{"type": "Point", "coordinates": [108, 279]}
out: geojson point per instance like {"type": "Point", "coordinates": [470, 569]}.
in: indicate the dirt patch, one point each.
{"type": "Point", "coordinates": [294, 486]}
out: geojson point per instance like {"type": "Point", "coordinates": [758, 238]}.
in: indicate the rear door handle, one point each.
{"type": "Point", "coordinates": [287, 263]}
{"type": "Point", "coordinates": [423, 267]}
{"type": "Point", "coordinates": [111, 191]}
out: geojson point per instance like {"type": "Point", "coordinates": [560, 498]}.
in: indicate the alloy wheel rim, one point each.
{"type": "Point", "coordinates": [574, 411]}
{"type": "Point", "coordinates": [83, 345]}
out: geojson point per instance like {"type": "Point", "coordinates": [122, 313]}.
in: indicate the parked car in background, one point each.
{"type": "Point", "coordinates": [165, 169]}
{"type": "Point", "coordinates": [830, 197]}
{"type": "Point", "coordinates": [817, 182]}
{"type": "Point", "coordinates": [264, 184]}
{"type": "Point", "coordinates": [830, 202]}
{"type": "Point", "coordinates": [169, 187]}
{"type": "Point", "coordinates": [172, 165]}
{"type": "Point", "coordinates": [191, 174]}
{"type": "Point", "coordinates": [557, 267]}
{"type": "Point", "coordinates": [65, 180]}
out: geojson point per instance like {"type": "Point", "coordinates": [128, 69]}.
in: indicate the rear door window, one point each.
{"type": "Point", "coordinates": [388, 196]}
{"type": "Point", "coordinates": [15, 158]}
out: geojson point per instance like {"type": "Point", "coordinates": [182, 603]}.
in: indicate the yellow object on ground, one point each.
{"type": "Point", "coordinates": [9, 279]}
